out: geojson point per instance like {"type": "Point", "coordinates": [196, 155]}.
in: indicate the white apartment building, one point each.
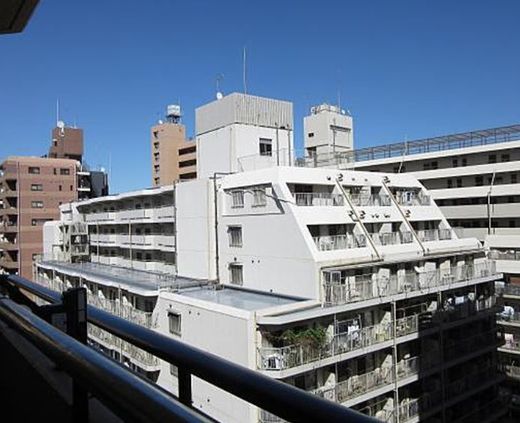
{"type": "Point", "coordinates": [351, 285]}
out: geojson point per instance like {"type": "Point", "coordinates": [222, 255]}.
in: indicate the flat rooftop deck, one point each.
{"type": "Point", "coordinates": [130, 279]}
{"type": "Point", "coordinates": [240, 298]}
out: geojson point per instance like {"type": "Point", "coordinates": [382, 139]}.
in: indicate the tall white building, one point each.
{"type": "Point", "coordinates": [351, 285]}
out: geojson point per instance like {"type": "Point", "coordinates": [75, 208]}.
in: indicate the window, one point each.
{"type": "Point", "coordinates": [514, 178]}
{"type": "Point", "coordinates": [455, 163]}
{"type": "Point", "coordinates": [236, 274]}
{"type": "Point", "coordinates": [266, 147]}
{"type": "Point", "coordinates": [156, 134]}
{"type": "Point", "coordinates": [34, 170]}
{"type": "Point", "coordinates": [37, 204]}
{"type": "Point", "coordinates": [36, 187]}
{"type": "Point", "coordinates": [492, 158]}
{"type": "Point", "coordinates": [450, 183]}
{"type": "Point", "coordinates": [479, 181]}
{"type": "Point", "coordinates": [59, 187]}
{"type": "Point", "coordinates": [174, 323]}
{"type": "Point", "coordinates": [71, 188]}
{"type": "Point", "coordinates": [235, 236]}
{"type": "Point", "coordinates": [54, 171]}
{"type": "Point", "coordinates": [505, 157]}
{"type": "Point", "coordinates": [459, 183]}
{"type": "Point", "coordinates": [237, 198]}
{"type": "Point", "coordinates": [311, 134]}
{"type": "Point", "coordinates": [64, 171]}
{"type": "Point", "coordinates": [464, 162]}
{"type": "Point", "coordinates": [259, 197]}
{"type": "Point", "coordinates": [435, 165]}
{"type": "Point", "coordinates": [39, 222]}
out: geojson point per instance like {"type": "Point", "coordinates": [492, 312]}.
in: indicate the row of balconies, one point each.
{"type": "Point", "coordinates": [152, 214]}
{"type": "Point", "coordinates": [412, 408]}
{"type": "Point", "coordinates": [286, 357]}
{"type": "Point", "coordinates": [146, 265]}
{"type": "Point", "coordinates": [359, 200]}
{"type": "Point", "coordinates": [348, 241]}
{"type": "Point", "coordinates": [366, 287]}
{"type": "Point", "coordinates": [155, 241]}
{"type": "Point", "coordinates": [140, 357]}
{"type": "Point", "coordinates": [504, 255]}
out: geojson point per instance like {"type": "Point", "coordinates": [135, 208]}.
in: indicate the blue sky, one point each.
{"type": "Point", "coordinates": [404, 68]}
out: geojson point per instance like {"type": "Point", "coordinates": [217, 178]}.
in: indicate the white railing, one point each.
{"type": "Point", "coordinates": [434, 235]}
{"type": "Point", "coordinates": [365, 200]}
{"type": "Point", "coordinates": [405, 198]}
{"type": "Point", "coordinates": [280, 358]}
{"type": "Point", "coordinates": [504, 255]}
{"type": "Point", "coordinates": [318, 199]}
{"type": "Point", "coordinates": [349, 290]}
{"type": "Point", "coordinates": [339, 242]}
{"type": "Point", "coordinates": [391, 238]}
{"type": "Point", "coordinates": [382, 411]}
{"type": "Point", "coordinates": [111, 341]}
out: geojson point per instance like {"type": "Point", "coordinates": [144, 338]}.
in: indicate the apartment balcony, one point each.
{"type": "Point", "coordinates": [383, 411]}
{"type": "Point", "coordinates": [281, 358]}
{"type": "Point", "coordinates": [8, 227]}
{"type": "Point", "coordinates": [103, 217]}
{"type": "Point", "coordinates": [366, 287]}
{"type": "Point", "coordinates": [321, 199]}
{"type": "Point", "coordinates": [339, 242]}
{"type": "Point", "coordinates": [125, 311]}
{"type": "Point", "coordinates": [391, 238]}
{"type": "Point", "coordinates": [8, 263]}
{"type": "Point", "coordinates": [434, 235]}
{"type": "Point", "coordinates": [138, 356]}
{"type": "Point", "coordinates": [461, 347]}
{"type": "Point", "coordinates": [152, 213]}
{"type": "Point", "coordinates": [511, 370]}
{"type": "Point", "coordinates": [79, 250]}
{"type": "Point", "coordinates": [410, 408]}
{"type": "Point", "coordinates": [368, 200]}
{"type": "Point", "coordinates": [9, 245]}
{"type": "Point", "coordinates": [154, 241]}
{"type": "Point", "coordinates": [414, 200]}
{"type": "Point", "coordinates": [504, 255]}
{"type": "Point", "coordinates": [510, 290]}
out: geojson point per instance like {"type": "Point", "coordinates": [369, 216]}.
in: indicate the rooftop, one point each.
{"type": "Point", "coordinates": [240, 298]}
{"type": "Point", "coordinates": [426, 145]}
{"type": "Point", "coordinates": [131, 279]}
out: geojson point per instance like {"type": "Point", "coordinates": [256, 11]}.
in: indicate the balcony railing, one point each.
{"type": "Point", "coordinates": [412, 200]}
{"type": "Point", "coordinates": [141, 357]}
{"type": "Point", "coordinates": [434, 235]}
{"type": "Point", "coordinates": [504, 255]}
{"type": "Point", "coordinates": [392, 238]}
{"type": "Point", "coordinates": [366, 200]}
{"type": "Point", "coordinates": [511, 370]}
{"type": "Point", "coordinates": [509, 289]}
{"type": "Point", "coordinates": [339, 242]}
{"type": "Point", "coordinates": [412, 407]}
{"type": "Point", "coordinates": [382, 410]}
{"type": "Point", "coordinates": [318, 199]}
{"type": "Point", "coordinates": [365, 287]}
{"type": "Point", "coordinates": [280, 358]}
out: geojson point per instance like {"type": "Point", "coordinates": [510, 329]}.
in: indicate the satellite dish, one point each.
{"type": "Point", "coordinates": [219, 95]}
{"type": "Point", "coordinates": [160, 122]}
{"type": "Point", "coordinates": [60, 124]}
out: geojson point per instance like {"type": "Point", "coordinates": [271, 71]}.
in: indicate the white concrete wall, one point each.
{"type": "Point", "coordinates": [195, 229]}
{"type": "Point", "coordinates": [220, 330]}
{"type": "Point", "coordinates": [324, 137]}
{"type": "Point", "coordinates": [236, 148]}
{"type": "Point", "coordinates": [52, 238]}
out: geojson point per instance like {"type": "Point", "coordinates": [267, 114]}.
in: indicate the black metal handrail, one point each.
{"type": "Point", "coordinates": [278, 398]}
{"type": "Point", "coordinates": [124, 391]}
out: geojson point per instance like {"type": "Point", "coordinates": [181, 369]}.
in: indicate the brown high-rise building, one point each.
{"type": "Point", "coordinates": [31, 191]}
{"type": "Point", "coordinates": [67, 143]}
{"type": "Point", "coordinates": [173, 156]}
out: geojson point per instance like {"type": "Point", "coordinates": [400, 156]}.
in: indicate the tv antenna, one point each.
{"type": "Point", "coordinates": [218, 80]}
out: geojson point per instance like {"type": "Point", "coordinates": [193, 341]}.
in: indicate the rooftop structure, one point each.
{"type": "Point", "coordinates": [173, 155]}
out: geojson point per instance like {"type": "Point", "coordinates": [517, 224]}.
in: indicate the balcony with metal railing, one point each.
{"type": "Point", "coordinates": [428, 235]}
{"type": "Point", "coordinates": [504, 255]}
{"type": "Point", "coordinates": [369, 286]}
{"type": "Point", "coordinates": [391, 238]}
{"type": "Point", "coordinates": [324, 199]}
{"type": "Point", "coordinates": [367, 200]}
{"type": "Point", "coordinates": [286, 357]}
{"type": "Point", "coordinates": [339, 242]}
{"type": "Point", "coordinates": [509, 290]}
{"type": "Point", "coordinates": [382, 410]}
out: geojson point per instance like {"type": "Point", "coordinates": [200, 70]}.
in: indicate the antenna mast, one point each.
{"type": "Point", "coordinates": [244, 71]}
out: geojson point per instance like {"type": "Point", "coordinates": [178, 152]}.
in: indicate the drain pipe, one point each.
{"type": "Point", "coordinates": [410, 227]}
{"type": "Point", "coordinates": [367, 234]}
{"type": "Point", "coordinates": [215, 208]}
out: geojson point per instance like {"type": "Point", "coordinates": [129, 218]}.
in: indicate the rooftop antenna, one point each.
{"type": "Point", "coordinates": [57, 111]}
{"type": "Point", "coordinates": [244, 71]}
{"type": "Point", "coordinates": [218, 79]}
